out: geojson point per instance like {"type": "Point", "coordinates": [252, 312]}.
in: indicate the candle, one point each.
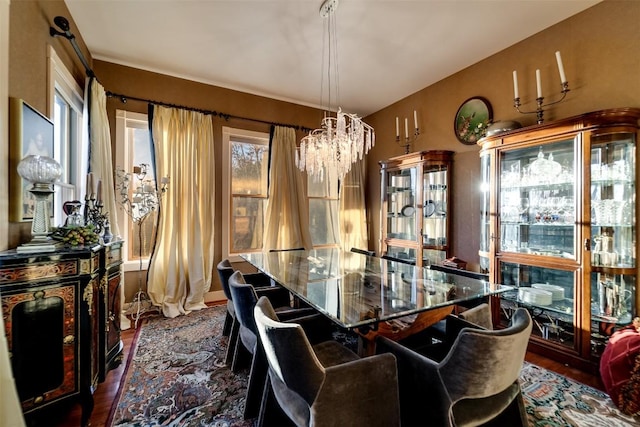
{"type": "Point", "coordinates": [397, 127]}
{"type": "Point", "coordinates": [99, 198]}
{"type": "Point", "coordinates": [515, 84]}
{"type": "Point", "coordinates": [88, 188]}
{"type": "Point", "coordinates": [90, 185]}
{"type": "Point", "coordinates": [406, 128]}
{"type": "Point", "coordinates": [538, 84]}
{"type": "Point", "coordinates": [563, 77]}
{"type": "Point", "coordinates": [415, 119]}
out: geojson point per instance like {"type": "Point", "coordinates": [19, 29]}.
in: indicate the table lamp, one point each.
{"type": "Point", "coordinates": [42, 172]}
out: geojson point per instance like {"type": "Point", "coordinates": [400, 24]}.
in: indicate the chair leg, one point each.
{"type": "Point", "coordinates": [255, 385]}
{"type": "Point", "coordinates": [241, 357]}
{"type": "Point", "coordinates": [233, 340]}
{"type": "Point", "coordinates": [228, 322]}
{"type": "Point", "coordinates": [270, 412]}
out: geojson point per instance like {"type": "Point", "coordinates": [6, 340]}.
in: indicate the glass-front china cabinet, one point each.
{"type": "Point", "coordinates": [415, 201]}
{"type": "Point", "coordinates": [558, 222]}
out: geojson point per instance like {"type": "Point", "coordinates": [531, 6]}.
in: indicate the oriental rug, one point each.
{"type": "Point", "coordinates": [176, 377]}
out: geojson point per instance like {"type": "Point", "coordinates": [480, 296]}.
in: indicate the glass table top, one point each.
{"type": "Point", "coordinates": [356, 290]}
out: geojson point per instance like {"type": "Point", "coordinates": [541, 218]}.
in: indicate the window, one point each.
{"type": "Point", "coordinates": [133, 150]}
{"type": "Point", "coordinates": [245, 196]}
{"type": "Point", "coordinates": [70, 150]}
{"type": "Point", "coordinates": [323, 210]}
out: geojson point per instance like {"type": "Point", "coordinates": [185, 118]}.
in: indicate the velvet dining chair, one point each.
{"type": "Point", "coordinates": [230, 327]}
{"type": "Point", "coordinates": [476, 383]}
{"type": "Point", "coordinates": [325, 384]}
{"type": "Point", "coordinates": [245, 297]}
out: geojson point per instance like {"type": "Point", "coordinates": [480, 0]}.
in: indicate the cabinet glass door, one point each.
{"type": "Point", "coordinates": [613, 224]}
{"type": "Point", "coordinates": [537, 200]}
{"type": "Point", "coordinates": [401, 208]}
{"type": "Point", "coordinates": [434, 226]}
{"type": "Point", "coordinates": [547, 293]}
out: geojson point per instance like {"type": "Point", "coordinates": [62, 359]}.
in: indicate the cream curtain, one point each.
{"type": "Point", "coordinates": [100, 160]}
{"type": "Point", "coordinates": [182, 264]}
{"type": "Point", "coordinates": [353, 215]}
{"type": "Point", "coordinates": [287, 224]}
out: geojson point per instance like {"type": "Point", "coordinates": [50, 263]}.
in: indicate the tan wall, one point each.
{"type": "Point", "coordinates": [601, 53]}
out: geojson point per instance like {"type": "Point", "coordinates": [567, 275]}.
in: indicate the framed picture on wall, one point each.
{"type": "Point", "coordinates": [472, 119]}
{"type": "Point", "coordinates": [30, 133]}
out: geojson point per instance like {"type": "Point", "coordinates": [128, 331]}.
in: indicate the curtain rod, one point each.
{"type": "Point", "coordinates": [63, 24]}
{"type": "Point", "coordinates": [225, 116]}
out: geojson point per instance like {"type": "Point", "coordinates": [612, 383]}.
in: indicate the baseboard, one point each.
{"type": "Point", "coordinates": [214, 296]}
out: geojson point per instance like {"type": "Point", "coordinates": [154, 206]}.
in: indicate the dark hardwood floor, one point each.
{"type": "Point", "coordinates": [107, 391]}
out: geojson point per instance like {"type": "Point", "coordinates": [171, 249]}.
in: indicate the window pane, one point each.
{"type": "Point", "coordinates": [328, 187]}
{"type": "Point", "coordinates": [247, 223]}
{"type": "Point", "coordinates": [249, 168]}
{"type": "Point", "coordinates": [323, 221]}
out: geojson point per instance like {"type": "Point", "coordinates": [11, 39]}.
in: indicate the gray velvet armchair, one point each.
{"type": "Point", "coordinates": [231, 326]}
{"type": "Point", "coordinates": [245, 297]}
{"type": "Point", "coordinates": [326, 384]}
{"type": "Point", "coordinates": [476, 383]}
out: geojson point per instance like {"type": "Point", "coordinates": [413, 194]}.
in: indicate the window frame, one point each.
{"type": "Point", "coordinates": [230, 135]}
{"type": "Point", "coordinates": [124, 158]}
{"type": "Point", "coordinates": [75, 157]}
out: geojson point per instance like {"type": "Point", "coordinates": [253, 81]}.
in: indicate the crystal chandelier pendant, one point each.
{"type": "Point", "coordinates": [341, 140]}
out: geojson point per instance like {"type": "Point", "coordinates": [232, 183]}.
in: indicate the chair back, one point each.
{"type": "Point", "coordinates": [288, 352]}
{"type": "Point", "coordinates": [244, 298]}
{"type": "Point", "coordinates": [363, 251]}
{"type": "Point", "coordinates": [479, 315]}
{"type": "Point", "coordinates": [225, 270]}
{"type": "Point", "coordinates": [482, 363]}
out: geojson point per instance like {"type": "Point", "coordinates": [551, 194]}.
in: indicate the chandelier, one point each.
{"type": "Point", "coordinates": [341, 140]}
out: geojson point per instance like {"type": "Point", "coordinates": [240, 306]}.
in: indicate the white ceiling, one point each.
{"type": "Point", "coordinates": [388, 49]}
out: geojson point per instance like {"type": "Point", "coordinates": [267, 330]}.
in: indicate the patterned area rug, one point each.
{"type": "Point", "coordinates": [177, 377]}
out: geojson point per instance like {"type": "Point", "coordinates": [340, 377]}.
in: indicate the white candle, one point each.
{"type": "Point", "coordinates": [415, 119]}
{"type": "Point", "coordinates": [90, 191]}
{"type": "Point", "coordinates": [406, 128]}
{"type": "Point", "coordinates": [515, 84]}
{"type": "Point", "coordinates": [99, 197]}
{"type": "Point", "coordinates": [397, 127]}
{"type": "Point", "coordinates": [538, 84]}
{"type": "Point", "coordinates": [563, 77]}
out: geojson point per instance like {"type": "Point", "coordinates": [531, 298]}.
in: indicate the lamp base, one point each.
{"type": "Point", "coordinates": [39, 246]}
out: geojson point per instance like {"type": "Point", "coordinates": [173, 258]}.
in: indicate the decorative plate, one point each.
{"type": "Point", "coordinates": [429, 208]}
{"type": "Point", "coordinates": [408, 210]}
{"type": "Point", "coordinates": [472, 119]}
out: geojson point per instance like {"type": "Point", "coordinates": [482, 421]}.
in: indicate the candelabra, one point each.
{"type": "Point", "coordinates": [406, 143]}
{"type": "Point", "coordinates": [540, 99]}
{"type": "Point", "coordinates": [540, 103]}
{"type": "Point", "coordinates": [139, 200]}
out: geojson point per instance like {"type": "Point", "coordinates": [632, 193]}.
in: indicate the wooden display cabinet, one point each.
{"type": "Point", "coordinates": [414, 218]}
{"type": "Point", "coordinates": [558, 223]}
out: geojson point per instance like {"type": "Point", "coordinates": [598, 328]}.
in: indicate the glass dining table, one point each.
{"type": "Point", "coordinates": [369, 294]}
